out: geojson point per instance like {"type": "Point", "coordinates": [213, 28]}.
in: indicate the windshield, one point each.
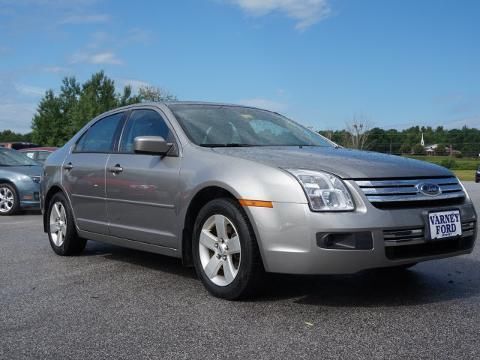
{"type": "Point", "coordinates": [14, 158]}
{"type": "Point", "coordinates": [215, 125]}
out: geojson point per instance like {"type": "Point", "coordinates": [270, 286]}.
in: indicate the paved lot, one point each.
{"type": "Point", "coordinates": [118, 304]}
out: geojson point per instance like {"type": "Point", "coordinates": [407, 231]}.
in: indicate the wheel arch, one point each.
{"type": "Point", "coordinates": [54, 189]}
{"type": "Point", "coordinates": [202, 197]}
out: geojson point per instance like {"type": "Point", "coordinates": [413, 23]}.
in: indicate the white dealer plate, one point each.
{"type": "Point", "coordinates": [444, 224]}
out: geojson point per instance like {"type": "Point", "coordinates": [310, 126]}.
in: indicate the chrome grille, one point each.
{"type": "Point", "coordinates": [408, 190]}
{"type": "Point", "coordinates": [400, 237]}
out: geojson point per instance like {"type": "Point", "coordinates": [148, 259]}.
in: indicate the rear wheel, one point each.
{"type": "Point", "coordinates": [9, 203]}
{"type": "Point", "coordinates": [225, 251]}
{"type": "Point", "coordinates": [62, 233]}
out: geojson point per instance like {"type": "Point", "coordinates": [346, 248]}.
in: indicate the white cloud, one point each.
{"type": "Point", "coordinates": [133, 83]}
{"type": "Point", "coordinates": [264, 104]}
{"type": "Point", "coordinates": [55, 69]}
{"type": "Point", "coordinates": [29, 90]}
{"type": "Point", "coordinates": [305, 12]}
{"type": "Point", "coordinates": [100, 58]}
{"type": "Point", "coordinates": [17, 116]}
{"type": "Point", "coordinates": [85, 19]}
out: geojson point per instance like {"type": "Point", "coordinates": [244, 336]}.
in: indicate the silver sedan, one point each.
{"type": "Point", "coordinates": [237, 191]}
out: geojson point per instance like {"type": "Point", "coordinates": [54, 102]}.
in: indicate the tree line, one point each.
{"type": "Point", "coordinates": [60, 116]}
{"type": "Point", "coordinates": [464, 141]}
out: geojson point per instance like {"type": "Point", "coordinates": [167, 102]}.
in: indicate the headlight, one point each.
{"type": "Point", "coordinates": [325, 192]}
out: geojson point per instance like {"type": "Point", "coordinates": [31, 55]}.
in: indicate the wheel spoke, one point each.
{"type": "Point", "coordinates": [234, 245]}
{"type": "Point", "coordinates": [59, 238]}
{"type": "Point", "coordinates": [229, 270]}
{"type": "Point", "coordinates": [63, 214]}
{"type": "Point", "coordinates": [54, 227]}
{"type": "Point", "coordinates": [211, 270]}
{"type": "Point", "coordinates": [220, 226]}
{"type": "Point", "coordinates": [57, 210]}
{"type": "Point", "coordinates": [207, 239]}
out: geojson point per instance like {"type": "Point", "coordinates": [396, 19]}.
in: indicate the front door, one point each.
{"type": "Point", "coordinates": [84, 174]}
{"type": "Point", "coordinates": [142, 189]}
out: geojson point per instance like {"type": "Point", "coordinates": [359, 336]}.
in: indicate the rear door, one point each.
{"type": "Point", "coordinates": [84, 173]}
{"type": "Point", "coordinates": [142, 189]}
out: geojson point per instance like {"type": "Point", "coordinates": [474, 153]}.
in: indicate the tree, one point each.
{"type": "Point", "coordinates": [97, 96]}
{"type": "Point", "coordinates": [127, 97]}
{"type": "Point", "coordinates": [358, 132]}
{"type": "Point", "coordinates": [45, 123]}
{"type": "Point", "coordinates": [58, 118]}
{"type": "Point", "coordinates": [152, 93]}
{"type": "Point", "coordinates": [9, 136]}
{"type": "Point", "coordinates": [418, 149]}
{"type": "Point", "coordinates": [405, 149]}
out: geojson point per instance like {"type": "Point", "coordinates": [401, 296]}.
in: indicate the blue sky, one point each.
{"type": "Point", "coordinates": [395, 63]}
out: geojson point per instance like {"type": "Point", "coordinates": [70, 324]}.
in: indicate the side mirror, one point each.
{"type": "Point", "coordinates": [155, 145]}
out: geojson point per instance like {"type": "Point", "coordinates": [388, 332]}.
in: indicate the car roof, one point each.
{"type": "Point", "coordinates": [190, 102]}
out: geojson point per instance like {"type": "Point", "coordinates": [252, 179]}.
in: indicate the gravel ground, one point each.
{"type": "Point", "coordinates": [114, 303]}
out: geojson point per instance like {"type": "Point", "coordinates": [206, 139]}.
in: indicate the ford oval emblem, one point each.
{"type": "Point", "coordinates": [429, 189]}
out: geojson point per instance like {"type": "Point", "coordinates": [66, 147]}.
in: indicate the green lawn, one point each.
{"type": "Point", "coordinates": [465, 175]}
{"type": "Point", "coordinates": [464, 168]}
{"type": "Point", "coordinates": [450, 162]}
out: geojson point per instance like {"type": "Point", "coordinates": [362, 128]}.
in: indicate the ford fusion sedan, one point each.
{"type": "Point", "coordinates": [238, 191]}
{"type": "Point", "coordinates": [19, 182]}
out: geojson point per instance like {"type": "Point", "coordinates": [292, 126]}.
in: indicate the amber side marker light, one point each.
{"type": "Point", "coordinates": [256, 203]}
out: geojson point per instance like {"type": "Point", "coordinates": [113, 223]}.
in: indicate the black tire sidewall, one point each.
{"type": "Point", "coordinates": [249, 251]}
{"type": "Point", "coordinates": [16, 203]}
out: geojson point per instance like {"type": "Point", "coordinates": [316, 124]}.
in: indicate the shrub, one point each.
{"type": "Point", "coordinates": [448, 163]}
{"type": "Point", "coordinates": [418, 149]}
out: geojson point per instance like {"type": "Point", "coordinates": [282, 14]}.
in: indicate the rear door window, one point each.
{"type": "Point", "coordinates": [100, 137]}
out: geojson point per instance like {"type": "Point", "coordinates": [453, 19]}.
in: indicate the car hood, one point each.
{"type": "Point", "coordinates": [346, 163]}
{"type": "Point", "coordinates": [35, 170]}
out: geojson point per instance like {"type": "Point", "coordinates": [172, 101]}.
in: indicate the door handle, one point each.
{"type": "Point", "coordinates": [68, 167]}
{"type": "Point", "coordinates": [116, 169]}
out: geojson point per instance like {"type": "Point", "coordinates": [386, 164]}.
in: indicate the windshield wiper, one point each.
{"type": "Point", "coordinates": [226, 145]}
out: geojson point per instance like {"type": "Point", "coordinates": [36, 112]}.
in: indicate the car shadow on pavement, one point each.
{"type": "Point", "coordinates": [430, 282]}
{"type": "Point", "coordinates": [139, 258]}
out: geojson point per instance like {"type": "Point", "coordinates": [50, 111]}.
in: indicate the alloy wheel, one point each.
{"type": "Point", "coordinates": [7, 199]}
{"type": "Point", "coordinates": [58, 223]}
{"type": "Point", "coordinates": [220, 250]}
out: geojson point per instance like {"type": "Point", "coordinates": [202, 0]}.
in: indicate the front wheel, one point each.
{"type": "Point", "coordinates": [9, 203]}
{"type": "Point", "coordinates": [62, 233]}
{"type": "Point", "coordinates": [225, 251]}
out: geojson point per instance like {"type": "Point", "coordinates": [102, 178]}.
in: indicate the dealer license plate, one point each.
{"type": "Point", "coordinates": [444, 224]}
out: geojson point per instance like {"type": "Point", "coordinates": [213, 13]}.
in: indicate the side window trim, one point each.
{"type": "Point", "coordinates": [174, 152]}
{"type": "Point", "coordinates": [116, 135]}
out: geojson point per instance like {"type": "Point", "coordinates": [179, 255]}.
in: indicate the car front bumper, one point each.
{"type": "Point", "coordinates": [289, 237]}
{"type": "Point", "coordinates": [29, 195]}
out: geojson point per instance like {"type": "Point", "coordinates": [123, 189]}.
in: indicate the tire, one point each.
{"type": "Point", "coordinates": [61, 230]}
{"type": "Point", "coordinates": [9, 201]}
{"type": "Point", "coordinates": [227, 262]}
